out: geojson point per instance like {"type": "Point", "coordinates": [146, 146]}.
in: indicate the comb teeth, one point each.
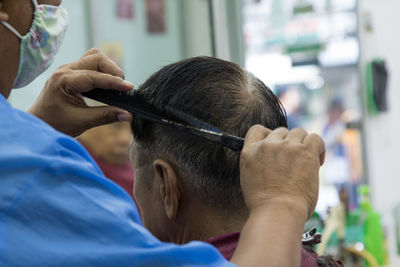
{"type": "Point", "coordinates": [190, 120]}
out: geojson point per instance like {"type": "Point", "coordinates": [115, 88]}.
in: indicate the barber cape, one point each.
{"type": "Point", "coordinates": [58, 209]}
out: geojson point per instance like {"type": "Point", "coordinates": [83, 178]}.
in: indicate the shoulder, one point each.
{"type": "Point", "coordinates": [34, 158]}
{"type": "Point", "coordinates": [25, 137]}
{"type": "Point", "coordinates": [59, 208]}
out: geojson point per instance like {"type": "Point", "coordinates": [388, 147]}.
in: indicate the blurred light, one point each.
{"type": "Point", "coordinates": [341, 52]}
{"type": "Point", "coordinates": [315, 83]}
{"type": "Point", "coordinates": [359, 246]}
{"type": "Point", "coordinates": [329, 198]}
{"type": "Point", "coordinates": [276, 69]}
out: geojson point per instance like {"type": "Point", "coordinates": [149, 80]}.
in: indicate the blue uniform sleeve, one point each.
{"type": "Point", "coordinates": [57, 209]}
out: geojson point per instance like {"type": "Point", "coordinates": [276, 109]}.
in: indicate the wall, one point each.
{"type": "Point", "coordinates": [227, 30]}
{"type": "Point", "coordinates": [197, 28]}
{"type": "Point", "coordinates": [382, 131]}
{"type": "Point", "coordinates": [236, 41]}
{"type": "Point", "coordinates": [94, 22]}
{"type": "Point", "coordinates": [144, 53]}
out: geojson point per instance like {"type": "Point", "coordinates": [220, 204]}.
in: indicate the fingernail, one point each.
{"type": "Point", "coordinates": [129, 84]}
{"type": "Point", "coordinates": [124, 117]}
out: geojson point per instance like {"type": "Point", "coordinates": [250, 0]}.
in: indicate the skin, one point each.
{"type": "Point", "coordinates": [115, 139]}
{"type": "Point", "coordinates": [170, 208]}
{"type": "Point", "coordinates": [283, 203]}
{"type": "Point", "coordinates": [285, 206]}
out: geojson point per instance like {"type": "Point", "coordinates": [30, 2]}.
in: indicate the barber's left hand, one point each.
{"type": "Point", "coordinates": [61, 105]}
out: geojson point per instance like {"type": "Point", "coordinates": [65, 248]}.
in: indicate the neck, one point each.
{"type": "Point", "coordinates": [201, 223]}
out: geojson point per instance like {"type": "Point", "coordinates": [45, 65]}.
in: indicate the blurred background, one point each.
{"type": "Point", "coordinates": [332, 63]}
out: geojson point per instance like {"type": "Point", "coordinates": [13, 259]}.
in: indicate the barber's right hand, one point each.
{"type": "Point", "coordinates": [61, 105]}
{"type": "Point", "coordinates": [281, 168]}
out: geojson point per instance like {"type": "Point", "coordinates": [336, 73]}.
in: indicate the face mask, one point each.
{"type": "Point", "coordinates": [40, 45]}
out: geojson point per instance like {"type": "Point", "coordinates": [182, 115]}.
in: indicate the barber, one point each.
{"type": "Point", "coordinates": [56, 207]}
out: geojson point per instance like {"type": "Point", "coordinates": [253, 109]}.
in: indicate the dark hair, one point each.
{"type": "Point", "coordinates": [324, 260]}
{"type": "Point", "coordinates": [220, 93]}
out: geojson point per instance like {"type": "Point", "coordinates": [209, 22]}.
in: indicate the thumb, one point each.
{"type": "Point", "coordinates": [97, 116]}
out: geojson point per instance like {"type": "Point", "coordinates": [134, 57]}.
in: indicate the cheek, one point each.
{"type": "Point", "coordinates": [20, 15]}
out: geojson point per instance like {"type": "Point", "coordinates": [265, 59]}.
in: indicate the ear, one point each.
{"type": "Point", "coordinates": [3, 14]}
{"type": "Point", "coordinates": [168, 187]}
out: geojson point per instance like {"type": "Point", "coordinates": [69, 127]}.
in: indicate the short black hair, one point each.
{"type": "Point", "coordinates": [220, 93]}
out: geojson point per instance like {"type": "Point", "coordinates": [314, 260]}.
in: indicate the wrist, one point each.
{"type": "Point", "coordinates": [283, 206]}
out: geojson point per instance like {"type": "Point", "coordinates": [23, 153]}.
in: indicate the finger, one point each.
{"type": "Point", "coordinates": [97, 116]}
{"type": "Point", "coordinates": [277, 135]}
{"type": "Point", "coordinates": [92, 51]}
{"type": "Point", "coordinates": [76, 82]}
{"type": "Point", "coordinates": [97, 62]}
{"type": "Point", "coordinates": [256, 133]}
{"type": "Point", "coordinates": [317, 145]}
{"type": "Point", "coordinates": [89, 52]}
{"type": "Point", "coordinates": [296, 135]}
{"type": "Point", "coordinates": [63, 66]}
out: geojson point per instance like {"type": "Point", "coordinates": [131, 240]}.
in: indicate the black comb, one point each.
{"type": "Point", "coordinates": [135, 103]}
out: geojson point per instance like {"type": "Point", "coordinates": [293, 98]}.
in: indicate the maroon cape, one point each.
{"type": "Point", "coordinates": [226, 244]}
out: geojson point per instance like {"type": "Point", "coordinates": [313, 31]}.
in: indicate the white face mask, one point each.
{"type": "Point", "coordinates": [40, 45]}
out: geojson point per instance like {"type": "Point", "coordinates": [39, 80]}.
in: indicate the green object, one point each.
{"type": "Point", "coordinates": [397, 220]}
{"type": "Point", "coordinates": [374, 239]}
{"type": "Point", "coordinates": [377, 77]}
{"type": "Point", "coordinates": [303, 47]}
{"type": "Point", "coordinates": [354, 228]}
{"type": "Point", "coordinates": [369, 84]}
{"type": "Point", "coordinates": [363, 192]}
{"type": "Point", "coordinates": [303, 8]}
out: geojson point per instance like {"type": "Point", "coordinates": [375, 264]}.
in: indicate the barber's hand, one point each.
{"type": "Point", "coordinates": [281, 167]}
{"type": "Point", "coordinates": [61, 105]}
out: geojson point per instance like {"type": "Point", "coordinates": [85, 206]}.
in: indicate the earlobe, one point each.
{"type": "Point", "coordinates": [169, 189]}
{"type": "Point", "coordinates": [3, 14]}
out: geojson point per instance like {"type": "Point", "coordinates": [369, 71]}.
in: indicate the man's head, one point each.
{"type": "Point", "coordinates": [19, 14]}
{"type": "Point", "coordinates": [179, 175]}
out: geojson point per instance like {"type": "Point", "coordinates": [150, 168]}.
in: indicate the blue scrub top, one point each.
{"type": "Point", "coordinates": [58, 209]}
